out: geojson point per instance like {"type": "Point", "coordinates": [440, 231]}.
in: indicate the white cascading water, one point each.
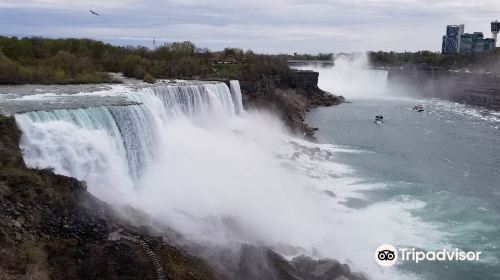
{"type": "Point", "coordinates": [195, 161]}
{"type": "Point", "coordinates": [236, 95]}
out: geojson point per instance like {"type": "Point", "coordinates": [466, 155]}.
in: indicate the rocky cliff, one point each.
{"type": "Point", "coordinates": [291, 96]}
{"type": "Point", "coordinates": [479, 89]}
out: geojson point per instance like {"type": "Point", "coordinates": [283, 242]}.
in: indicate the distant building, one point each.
{"type": "Point", "coordinates": [451, 41]}
{"type": "Point", "coordinates": [495, 28]}
{"type": "Point", "coordinates": [227, 60]}
{"type": "Point", "coordinates": [456, 41]}
{"type": "Point", "coordinates": [476, 43]}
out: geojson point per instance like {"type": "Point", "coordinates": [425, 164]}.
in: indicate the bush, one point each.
{"type": "Point", "coordinates": [9, 71]}
{"type": "Point", "coordinates": [149, 79]}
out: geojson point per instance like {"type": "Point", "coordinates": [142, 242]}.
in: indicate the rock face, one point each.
{"type": "Point", "coordinates": [479, 89]}
{"type": "Point", "coordinates": [291, 96]}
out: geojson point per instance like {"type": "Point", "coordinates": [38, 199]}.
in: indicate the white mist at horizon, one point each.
{"type": "Point", "coordinates": [352, 77]}
{"type": "Point", "coordinates": [222, 178]}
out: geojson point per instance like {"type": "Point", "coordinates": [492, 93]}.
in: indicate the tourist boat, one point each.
{"type": "Point", "coordinates": [418, 108]}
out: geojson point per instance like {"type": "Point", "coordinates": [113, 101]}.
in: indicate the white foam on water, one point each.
{"type": "Point", "coordinates": [467, 110]}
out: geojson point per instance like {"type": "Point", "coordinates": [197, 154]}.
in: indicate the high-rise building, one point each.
{"type": "Point", "coordinates": [451, 41]}
{"type": "Point", "coordinates": [456, 41]}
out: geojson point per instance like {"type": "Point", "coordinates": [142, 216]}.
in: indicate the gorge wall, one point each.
{"type": "Point", "coordinates": [479, 89]}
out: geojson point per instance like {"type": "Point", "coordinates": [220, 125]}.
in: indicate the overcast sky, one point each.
{"type": "Point", "coordinates": [271, 26]}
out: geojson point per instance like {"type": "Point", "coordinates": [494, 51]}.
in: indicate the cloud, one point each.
{"type": "Point", "coordinates": [263, 25]}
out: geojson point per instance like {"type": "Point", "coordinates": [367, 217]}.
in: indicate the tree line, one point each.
{"type": "Point", "coordinates": [489, 61]}
{"type": "Point", "coordinates": [64, 61]}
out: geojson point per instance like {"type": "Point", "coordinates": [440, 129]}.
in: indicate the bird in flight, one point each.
{"type": "Point", "coordinates": [94, 13]}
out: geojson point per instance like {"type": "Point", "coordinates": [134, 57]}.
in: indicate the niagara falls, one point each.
{"type": "Point", "coordinates": [277, 140]}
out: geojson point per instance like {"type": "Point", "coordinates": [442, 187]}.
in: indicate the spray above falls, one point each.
{"type": "Point", "coordinates": [352, 77]}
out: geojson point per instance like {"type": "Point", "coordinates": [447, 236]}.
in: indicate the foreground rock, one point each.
{"type": "Point", "coordinates": [251, 262]}
{"type": "Point", "coordinates": [291, 96]}
{"type": "Point", "coordinates": [325, 269]}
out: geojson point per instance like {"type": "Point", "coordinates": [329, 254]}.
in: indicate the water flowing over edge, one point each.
{"type": "Point", "coordinates": [134, 128]}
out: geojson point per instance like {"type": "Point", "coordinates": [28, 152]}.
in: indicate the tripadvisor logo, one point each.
{"type": "Point", "coordinates": [387, 255]}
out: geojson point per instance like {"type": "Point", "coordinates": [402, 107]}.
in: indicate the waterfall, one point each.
{"type": "Point", "coordinates": [236, 95]}
{"type": "Point", "coordinates": [120, 141]}
{"type": "Point", "coordinates": [189, 99]}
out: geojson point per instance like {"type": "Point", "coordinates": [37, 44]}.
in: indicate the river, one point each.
{"type": "Point", "coordinates": [439, 170]}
